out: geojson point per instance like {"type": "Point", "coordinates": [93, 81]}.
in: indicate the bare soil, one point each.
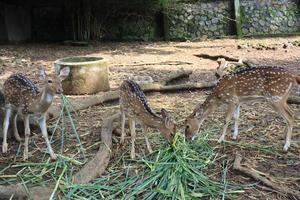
{"type": "Point", "coordinates": [259, 123]}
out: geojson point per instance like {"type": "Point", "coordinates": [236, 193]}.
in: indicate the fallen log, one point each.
{"type": "Point", "coordinates": [176, 75]}
{"type": "Point", "coordinates": [246, 62]}
{"type": "Point", "coordinates": [96, 166]}
{"type": "Point", "coordinates": [256, 175]}
{"type": "Point", "coordinates": [79, 104]}
{"type": "Point", "coordinates": [216, 57]}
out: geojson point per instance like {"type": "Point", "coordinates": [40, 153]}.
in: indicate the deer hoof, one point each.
{"type": "Point", "coordinates": [286, 147]}
{"type": "Point", "coordinates": [25, 155]}
{"type": "Point", "coordinates": [122, 141]}
{"type": "Point", "coordinates": [4, 147]}
{"type": "Point", "coordinates": [132, 155]}
{"type": "Point", "coordinates": [221, 139]}
{"type": "Point", "coordinates": [53, 156]}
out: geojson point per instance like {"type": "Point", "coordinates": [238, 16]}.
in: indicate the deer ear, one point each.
{"type": "Point", "coordinates": [164, 113]}
{"type": "Point", "coordinates": [167, 119]}
{"type": "Point", "coordinates": [63, 73]}
{"type": "Point", "coordinates": [41, 74]}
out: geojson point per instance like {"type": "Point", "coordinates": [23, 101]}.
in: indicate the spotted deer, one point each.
{"type": "Point", "coordinates": [134, 105]}
{"type": "Point", "coordinates": [22, 95]}
{"type": "Point", "coordinates": [264, 83]}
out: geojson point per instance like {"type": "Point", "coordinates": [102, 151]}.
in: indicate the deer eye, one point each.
{"type": "Point", "coordinates": [50, 81]}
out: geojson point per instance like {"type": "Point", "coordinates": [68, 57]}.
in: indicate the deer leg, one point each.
{"type": "Point", "coordinates": [133, 136]}
{"type": "Point", "coordinates": [43, 126]}
{"type": "Point", "coordinates": [236, 116]}
{"type": "Point", "coordinates": [229, 113]}
{"type": "Point", "coordinates": [280, 108]}
{"type": "Point", "coordinates": [289, 110]}
{"type": "Point", "coordinates": [123, 118]}
{"type": "Point", "coordinates": [27, 134]}
{"type": "Point", "coordinates": [5, 129]}
{"type": "Point", "coordinates": [16, 133]}
{"type": "Point", "coordinates": [145, 128]}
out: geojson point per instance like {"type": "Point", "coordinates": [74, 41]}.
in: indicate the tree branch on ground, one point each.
{"type": "Point", "coordinates": [257, 176]}
{"type": "Point", "coordinates": [96, 166]}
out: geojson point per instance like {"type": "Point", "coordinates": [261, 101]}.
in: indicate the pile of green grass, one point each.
{"type": "Point", "coordinates": [171, 172]}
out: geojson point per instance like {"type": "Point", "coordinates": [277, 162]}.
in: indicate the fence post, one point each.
{"type": "Point", "coordinates": [238, 21]}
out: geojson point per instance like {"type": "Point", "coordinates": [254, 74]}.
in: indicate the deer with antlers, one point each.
{"type": "Point", "coordinates": [134, 105]}
{"type": "Point", "coordinates": [22, 95]}
{"type": "Point", "coordinates": [272, 84]}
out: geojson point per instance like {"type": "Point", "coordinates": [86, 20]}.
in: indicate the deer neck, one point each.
{"type": "Point", "coordinates": [207, 107]}
{"type": "Point", "coordinates": [44, 100]}
{"type": "Point", "coordinates": [153, 120]}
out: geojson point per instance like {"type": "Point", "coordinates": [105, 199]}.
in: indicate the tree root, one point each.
{"type": "Point", "coordinates": [255, 175]}
{"type": "Point", "coordinates": [18, 191]}
{"type": "Point", "coordinates": [95, 167]}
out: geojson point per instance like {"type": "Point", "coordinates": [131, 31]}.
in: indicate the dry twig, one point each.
{"type": "Point", "coordinates": [255, 175]}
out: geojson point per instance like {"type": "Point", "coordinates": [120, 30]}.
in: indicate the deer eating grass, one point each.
{"type": "Point", "coordinates": [272, 84]}
{"type": "Point", "coordinates": [22, 95]}
{"type": "Point", "coordinates": [134, 105]}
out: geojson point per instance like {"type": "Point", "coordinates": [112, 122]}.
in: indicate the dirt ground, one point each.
{"type": "Point", "coordinates": [259, 124]}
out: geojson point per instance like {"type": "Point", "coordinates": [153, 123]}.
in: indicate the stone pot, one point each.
{"type": "Point", "coordinates": [88, 74]}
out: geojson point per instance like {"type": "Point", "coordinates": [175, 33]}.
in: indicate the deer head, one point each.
{"type": "Point", "coordinates": [169, 126]}
{"type": "Point", "coordinates": [200, 113]}
{"type": "Point", "coordinates": [52, 83]}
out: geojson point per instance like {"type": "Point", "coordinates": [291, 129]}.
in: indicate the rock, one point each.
{"type": "Point", "coordinates": [245, 30]}
{"type": "Point", "coordinates": [208, 23]}
{"type": "Point", "coordinates": [285, 46]}
{"type": "Point", "coordinates": [242, 46]}
{"type": "Point", "coordinates": [213, 28]}
{"type": "Point", "coordinates": [215, 20]}
{"type": "Point", "coordinates": [203, 18]}
{"type": "Point", "coordinates": [291, 23]}
{"type": "Point", "coordinates": [262, 22]}
{"type": "Point", "coordinates": [210, 34]}
{"type": "Point", "coordinates": [273, 27]}
{"type": "Point", "coordinates": [252, 30]}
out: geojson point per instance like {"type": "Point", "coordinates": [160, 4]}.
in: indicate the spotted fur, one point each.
{"type": "Point", "coordinates": [134, 105]}
{"type": "Point", "coordinates": [19, 90]}
{"type": "Point", "coordinates": [273, 84]}
{"type": "Point", "coordinates": [24, 96]}
{"type": "Point", "coordinates": [139, 94]}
